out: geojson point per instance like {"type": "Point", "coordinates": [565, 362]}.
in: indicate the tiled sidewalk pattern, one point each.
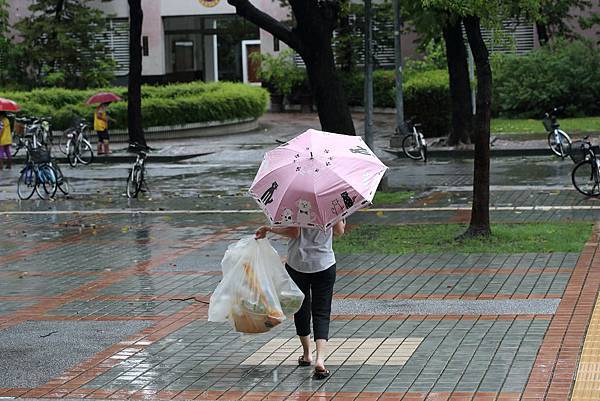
{"type": "Point", "coordinates": [351, 351]}
{"type": "Point", "coordinates": [150, 267]}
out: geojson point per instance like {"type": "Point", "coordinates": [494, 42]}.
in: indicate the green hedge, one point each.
{"type": "Point", "coordinates": [426, 96]}
{"type": "Point", "coordinates": [161, 105]}
{"type": "Point", "coordinates": [565, 74]}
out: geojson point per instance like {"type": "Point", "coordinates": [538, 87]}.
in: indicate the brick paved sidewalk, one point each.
{"type": "Point", "coordinates": [113, 306]}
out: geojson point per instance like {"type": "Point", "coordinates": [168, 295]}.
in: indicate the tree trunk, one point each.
{"type": "Point", "coordinates": [315, 26]}
{"type": "Point", "coordinates": [134, 92]}
{"type": "Point", "coordinates": [480, 211]}
{"type": "Point", "coordinates": [59, 9]}
{"type": "Point", "coordinates": [311, 38]}
{"type": "Point", "coordinates": [542, 33]}
{"type": "Point", "coordinates": [460, 85]}
{"type": "Point", "coordinates": [332, 106]}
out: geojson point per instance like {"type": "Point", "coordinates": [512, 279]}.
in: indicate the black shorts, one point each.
{"type": "Point", "coordinates": [102, 135]}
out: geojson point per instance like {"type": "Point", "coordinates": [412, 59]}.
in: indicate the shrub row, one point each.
{"type": "Point", "coordinates": [426, 96]}
{"type": "Point", "coordinates": [161, 105]}
{"type": "Point", "coordinates": [565, 74]}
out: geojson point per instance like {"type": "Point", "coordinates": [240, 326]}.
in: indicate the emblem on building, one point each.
{"type": "Point", "coordinates": [209, 3]}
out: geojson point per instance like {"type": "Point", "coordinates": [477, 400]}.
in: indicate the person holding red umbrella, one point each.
{"type": "Point", "coordinates": [5, 132]}
{"type": "Point", "coordinates": [5, 141]}
{"type": "Point", "coordinates": [101, 118]}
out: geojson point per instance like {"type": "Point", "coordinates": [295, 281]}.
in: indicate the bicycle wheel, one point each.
{"type": "Point", "coordinates": [559, 143]}
{"type": "Point", "coordinates": [85, 154]}
{"type": "Point", "coordinates": [63, 140]}
{"type": "Point", "coordinates": [61, 180]}
{"type": "Point", "coordinates": [411, 148]}
{"type": "Point", "coordinates": [71, 153]}
{"type": "Point", "coordinates": [27, 183]}
{"type": "Point", "coordinates": [134, 181]}
{"type": "Point", "coordinates": [46, 185]}
{"type": "Point", "coordinates": [585, 178]}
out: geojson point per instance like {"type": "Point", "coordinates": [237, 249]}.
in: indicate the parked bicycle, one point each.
{"type": "Point", "coordinates": [37, 175]}
{"type": "Point", "coordinates": [414, 145]}
{"type": "Point", "coordinates": [136, 179]}
{"type": "Point", "coordinates": [77, 147]}
{"type": "Point", "coordinates": [37, 130]}
{"type": "Point", "coordinates": [558, 140]}
{"type": "Point", "coordinates": [586, 173]}
{"type": "Point", "coordinates": [77, 127]}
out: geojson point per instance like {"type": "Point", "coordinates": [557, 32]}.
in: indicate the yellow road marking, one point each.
{"type": "Point", "coordinates": [587, 381]}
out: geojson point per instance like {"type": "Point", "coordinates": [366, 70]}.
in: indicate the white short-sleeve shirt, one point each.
{"type": "Point", "coordinates": [312, 251]}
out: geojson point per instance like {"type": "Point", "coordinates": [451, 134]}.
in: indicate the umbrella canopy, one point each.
{"type": "Point", "coordinates": [316, 179]}
{"type": "Point", "coordinates": [103, 97]}
{"type": "Point", "coordinates": [8, 105]}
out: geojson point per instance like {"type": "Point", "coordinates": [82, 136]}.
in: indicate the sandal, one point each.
{"type": "Point", "coordinates": [321, 374]}
{"type": "Point", "coordinates": [302, 362]}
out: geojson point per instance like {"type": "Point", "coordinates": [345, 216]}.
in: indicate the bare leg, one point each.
{"type": "Point", "coordinates": [106, 148]}
{"type": "Point", "coordinates": [99, 149]}
{"type": "Point", "coordinates": [307, 354]}
{"type": "Point", "coordinates": [321, 354]}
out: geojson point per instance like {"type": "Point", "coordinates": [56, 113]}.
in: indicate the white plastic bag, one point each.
{"type": "Point", "coordinates": [256, 293]}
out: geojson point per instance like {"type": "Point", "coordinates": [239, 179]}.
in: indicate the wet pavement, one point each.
{"type": "Point", "coordinates": [106, 298]}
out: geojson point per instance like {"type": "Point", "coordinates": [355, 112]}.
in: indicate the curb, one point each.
{"type": "Point", "coordinates": [184, 131]}
{"type": "Point", "coordinates": [455, 153]}
{"type": "Point", "coordinates": [116, 159]}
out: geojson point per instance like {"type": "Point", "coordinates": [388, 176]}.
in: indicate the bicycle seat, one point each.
{"type": "Point", "coordinates": [136, 147]}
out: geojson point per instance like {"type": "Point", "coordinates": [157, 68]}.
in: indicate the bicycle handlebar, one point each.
{"type": "Point", "coordinates": [553, 113]}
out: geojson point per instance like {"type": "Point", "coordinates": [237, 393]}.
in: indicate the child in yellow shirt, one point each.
{"type": "Point", "coordinates": [5, 141]}
{"type": "Point", "coordinates": [101, 127]}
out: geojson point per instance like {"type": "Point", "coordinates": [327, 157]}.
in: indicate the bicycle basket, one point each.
{"type": "Point", "coordinates": [40, 155]}
{"type": "Point", "coordinates": [19, 128]}
{"type": "Point", "coordinates": [547, 124]}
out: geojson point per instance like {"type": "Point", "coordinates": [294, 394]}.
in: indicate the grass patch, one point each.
{"type": "Point", "coordinates": [531, 126]}
{"type": "Point", "coordinates": [391, 198]}
{"type": "Point", "coordinates": [437, 238]}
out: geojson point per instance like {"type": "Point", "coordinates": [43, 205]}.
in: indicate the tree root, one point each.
{"type": "Point", "coordinates": [474, 232]}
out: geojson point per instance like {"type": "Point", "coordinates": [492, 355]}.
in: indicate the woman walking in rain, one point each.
{"type": "Point", "coordinates": [311, 264]}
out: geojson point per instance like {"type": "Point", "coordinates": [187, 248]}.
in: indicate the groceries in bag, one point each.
{"type": "Point", "coordinates": [256, 293]}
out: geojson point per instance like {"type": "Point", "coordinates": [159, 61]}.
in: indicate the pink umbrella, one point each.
{"type": "Point", "coordinates": [103, 97]}
{"type": "Point", "coordinates": [316, 179]}
{"type": "Point", "coordinates": [8, 105]}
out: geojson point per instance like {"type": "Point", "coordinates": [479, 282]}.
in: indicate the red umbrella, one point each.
{"type": "Point", "coordinates": [103, 97]}
{"type": "Point", "coordinates": [8, 105]}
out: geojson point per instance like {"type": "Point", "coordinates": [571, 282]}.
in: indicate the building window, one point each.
{"type": "Point", "coordinates": [116, 38]}
{"type": "Point", "coordinates": [275, 44]}
{"type": "Point", "coordinates": [206, 47]}
{"type": "Point", "coordinates": [145, 45]}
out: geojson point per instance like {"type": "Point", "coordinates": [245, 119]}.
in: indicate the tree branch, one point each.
{"type": "Point", "coordinates": [59, 9]}
{"type": "Point", "coordinates": [263, 20]}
